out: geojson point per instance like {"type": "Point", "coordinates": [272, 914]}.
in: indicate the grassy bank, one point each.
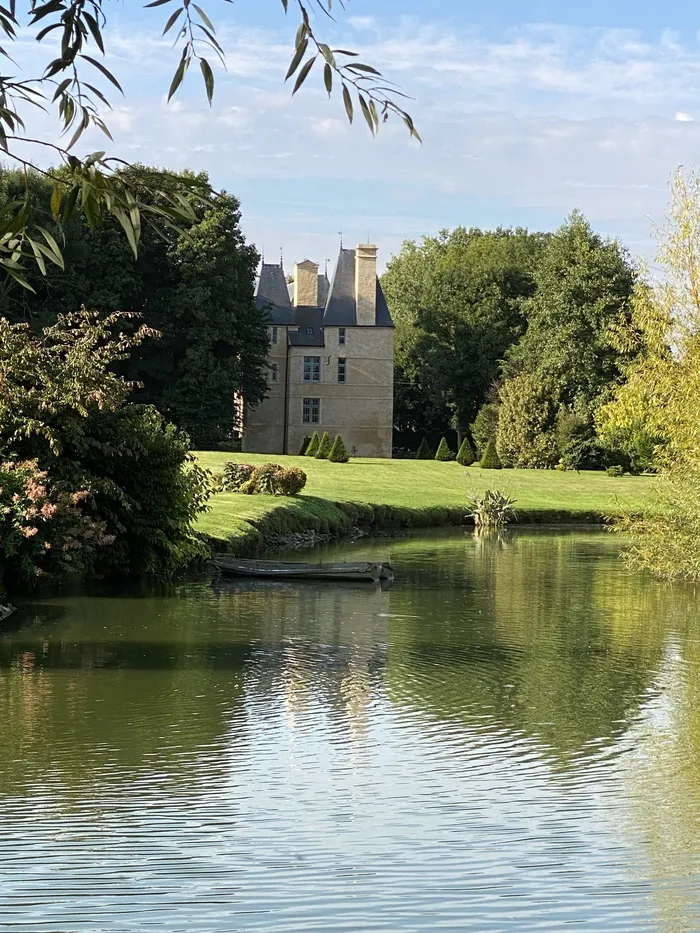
{"type": "Point", "coordinates": [388, 494]}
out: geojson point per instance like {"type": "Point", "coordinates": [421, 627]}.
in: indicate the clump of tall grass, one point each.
{"type": "Point", "coordinates": [491, 509]}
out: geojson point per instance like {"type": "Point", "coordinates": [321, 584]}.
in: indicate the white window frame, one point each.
{"type": "Point", "coordinates": [310, 404]}
{"type": "Point", "coordinates": [314, 369]}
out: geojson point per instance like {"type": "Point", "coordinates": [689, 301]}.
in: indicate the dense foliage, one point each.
{"type": "Point", "coordinates": [269, 479]}
{"type": "Point", "coordinates": [490, 459]}
{"type": "Point", "coordinates": [195, 290]}
{"type": "Point", "coordinates": [339, 453]}
{"type": "Point", "coordinates": [95, 482]}
{"type": "Point", "coordinates": [313, 445]}
{"type": "Point", "coordinates": [424, 452]}
{"type": "Point", "coordinates": [443, 453]}
{"type": "Point", "coordinates": [324, 446]}
{"type": "Point", "coordinates": [465, 454]}
{"type": "Point", "coordinates": [457, 304]}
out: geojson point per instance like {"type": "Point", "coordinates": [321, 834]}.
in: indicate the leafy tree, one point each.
{"type": "Point", "coordinates": [324, 447]}
{"type": "Point", "coordinates": [443, 452]}
{"type": "Point", "coordinates": [313, 445]}
{"type": "Point", "coordinates": [195, 290]}
{"type": "Point", "coordinates": [662, 394]}
{"type": "Point", "coordinates": [584, 285]}
{"type": "Point", "coordinates": [304, 446]}
{"type": "Point", "coordinates": [75, 81]}
{"type": "Point", "coordinates": [424, 452]}
{"type": "Point", "coordinates": [338, 452]}
{"type": "Point", "coordinates": [525, 436]}
{"type": "Point", "coordinates": [490, 459]}
{"type": "Point", "coordinates": [465, 454]}
{"type": "Point", "coordinates": [456, 300]}
{"type": "Point", "coordinates": [124, 474]}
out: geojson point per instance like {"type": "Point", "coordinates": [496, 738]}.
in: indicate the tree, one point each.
{"type": "Point", "coordinates": [662, 394]}
{"type": "Point", "coordinates": [443, 452]}
{"type": "Point", "coordinates": [490, 459]}
{"type": "Point", "coordinates": [485, 425]}
{"type": "Point", "coordinates": [76, 81]}
{"type": "Point", "coordinates": [196, 290]}
{"type": "Point", "coordinates": [338, 452]}
{"type": "Point", "coordinates": [526, 421]}
{"type": "Point", "coordinates": [324, 447]}
{"type": "Point", "coordinates": [584, 285]}
{"type": "Point", "coordinates": [456, 300]}
{"type": "Point", "coordinates": [465, 454]}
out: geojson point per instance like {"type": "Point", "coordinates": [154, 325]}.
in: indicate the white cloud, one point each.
{"type": "Point", "coordinates": [682, 117]}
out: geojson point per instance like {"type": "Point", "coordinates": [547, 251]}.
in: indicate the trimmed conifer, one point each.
{"type": "Point", "coordinates": [338, 452]}
{"type": "Point", "coordinates": [491, 460]}
{"type": "Point", "coordinates": [466, 457]}
{"type": "Point", "coordinates": [424, 452]}
{"type": "Point", "coordinates": [443, 452]}
{"type": "Point", "coordinates": [313, 446]}
{"type": "Point", "coordinates": [304, 446]}
{"type": "Point", "coordinates": [324, 448]}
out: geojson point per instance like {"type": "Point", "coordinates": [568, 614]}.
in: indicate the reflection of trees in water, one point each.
{"type": "Point", "coordinates": [101, 686]}
{"type": "Point", "coordinates": [547, 635]}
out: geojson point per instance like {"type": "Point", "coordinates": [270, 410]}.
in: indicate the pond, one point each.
{"type": "Point", "coordinates": [506, 739]}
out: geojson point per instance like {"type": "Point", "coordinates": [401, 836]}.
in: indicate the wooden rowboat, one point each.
{"type": "Point", "coordinates": [281, 570]}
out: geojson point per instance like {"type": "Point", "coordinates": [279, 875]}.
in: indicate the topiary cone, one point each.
{"type": "Point", "coordinates": [491, 460]}
{"type": "Point", "coordinates": [324, 448]}
{"type": "Point", "coordinates": [443, 452]}
{"type": "Point", "coordinates": [466, 455]}
{"type": "Point", "coordinates": [338, 452]}
{"type": "Point", "coordinates": [424, 452]}
{"type": "Point", "coordinates": [314, 444]}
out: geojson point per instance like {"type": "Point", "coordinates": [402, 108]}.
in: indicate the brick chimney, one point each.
{"type": "Point", "coordinates": [366, 284]}
{"type": "Point", "coordinates": [306, 284]}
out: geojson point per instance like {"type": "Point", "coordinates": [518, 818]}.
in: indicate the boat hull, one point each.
{"type": "Point", "coordinates": [280, 570]}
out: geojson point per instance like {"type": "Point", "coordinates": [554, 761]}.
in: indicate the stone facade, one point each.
{"type": "Point", "coordinates": [331, 364]}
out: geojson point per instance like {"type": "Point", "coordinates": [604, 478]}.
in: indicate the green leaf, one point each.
{"type": "Point", "coordinates": [328, 78]}
{"type": "Point", "coordinates": [179, 74]}
{"type": "Point", "coordinates": [208, 75]}
{"type": "Point", "coordinates": [172, 19]}
{"type": "Point", "coordinates": [105, 72]}
{"type": "Point", "coordinates": [203, 16]}
{"type": "Point", "coordinates": [297, 57]}
{"type": "Point", "coordinates": [347, 100]}
{"type": "Point", "coordinates": [303, 74]}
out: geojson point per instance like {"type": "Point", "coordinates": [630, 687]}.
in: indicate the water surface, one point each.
{"type": "Point", "coordinates": [507, 739]}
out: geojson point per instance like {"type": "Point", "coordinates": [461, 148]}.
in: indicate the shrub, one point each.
{"type": "Point", "coordinates": [465, 456]}
{"type": "Point", "coordinates": [484, 426]}
{"type": "Point", "coordinates": [304, 446]}
{"type": "Point", "coordinates": [235, 475]}
{"type": "Point", "coordinates": [324, 447]}
{"type": "Point", "coordinates": [291, 482]}
{"type": "Point", "coordinates": [424, 452]}
{"type": "Point", "coordinates": [338, 452]}
{"type": "Point", "coordinates": [491, 509]}
{"type": "Point", "coordinates": [615, 470]}
{"type": "Point", "coordinates": [443, 453]}
{"type": "Point", "coordinates": [490, 459]}
{"type": "Point", "coordinates": [313, 445]}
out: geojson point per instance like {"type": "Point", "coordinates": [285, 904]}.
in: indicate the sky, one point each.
{"type": "Point", "coordinates": [527, 110]}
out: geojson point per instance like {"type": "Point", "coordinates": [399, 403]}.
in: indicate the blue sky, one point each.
{"type": "Point", "coordinates": [527, 110]}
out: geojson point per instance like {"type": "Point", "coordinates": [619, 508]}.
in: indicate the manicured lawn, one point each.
{"type": "Point", "coordinates": [421, 484]}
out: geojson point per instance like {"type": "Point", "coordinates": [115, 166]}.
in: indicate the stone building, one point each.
{"type": "Point", "coordinates": [331, 364]}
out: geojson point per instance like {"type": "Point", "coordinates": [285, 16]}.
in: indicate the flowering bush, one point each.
{"type": "Point", "coordinates": [45, 532]}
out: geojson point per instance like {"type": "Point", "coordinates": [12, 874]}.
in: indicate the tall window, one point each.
{"type": "Point", "coordinates": [341, 336]}
{"type": "Point", "coordinates": [312, 369]}
{"type": "Point", "coordinates": [342, 366]}
{"type": "Point", "coordinates": [274, 372]}
{"type": "Point", "coordinates": [311, 411]}
{"type": "Point", "coordinates": [273, 335]}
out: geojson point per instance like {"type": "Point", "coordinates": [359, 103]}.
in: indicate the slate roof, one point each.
{"type": "Point", "coordinates": [337, 306]}
{"type": "Point", "coordinates": [272, 295]}
{"type": "Point", "coordinates": [341, 307]}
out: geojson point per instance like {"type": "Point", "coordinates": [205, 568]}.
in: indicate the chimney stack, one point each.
{"type": "Point", "coordinates": [366, 284]}
{"type": "Point", "coordinates": [306, 284]}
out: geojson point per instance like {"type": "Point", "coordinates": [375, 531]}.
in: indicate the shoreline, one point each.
{"type": "Point", "coordinates": [299, 523]}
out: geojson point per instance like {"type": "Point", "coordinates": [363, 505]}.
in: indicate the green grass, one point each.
{"type": "Point", "coordinates": [400, 493]}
